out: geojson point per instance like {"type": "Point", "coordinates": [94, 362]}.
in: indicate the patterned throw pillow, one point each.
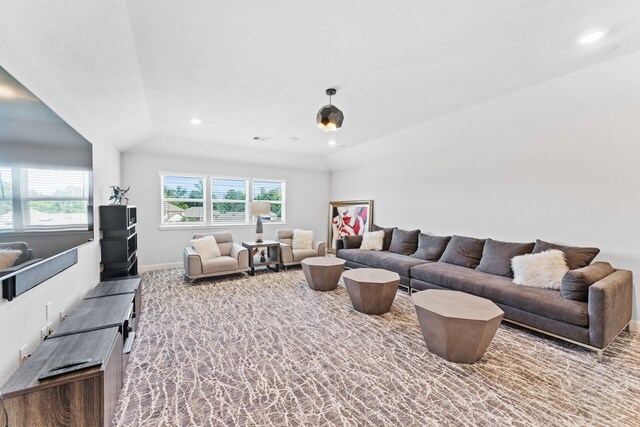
{"type": "Point", "coordinates": [206, 247]}
{"type": "Point", "coordinates": [8, 257]}
{"type": "Point", "coordinates": [302, 239]}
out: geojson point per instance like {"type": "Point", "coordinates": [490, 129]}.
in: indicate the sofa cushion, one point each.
{"type": "Point", "coordinates": [352, 242]}
{"type": "Point", "coordinates": [431, 248]}
{"type": "Point", "coordinates": [576, 257]}
{"type": "Point", "coordinates": [543, 270]}
{"type": "Point", "coordinates": [544, 302]}
{"type": "Point", "coordinates": [372, 241]}
{"type": "Point", "coordinates": [388, 233]}
{"type": "Point", "coordinates": [219, 264]}
{"type": "Point", "coordinates": [401, 264]}
{"type": "Point", "coordinates": [497, 255]}
{"type": "Point", "coordinates": [404, 242]}
{"type": "Point", "coordinates": [463, 251]}
{"type": "Point", "coordinates": [575, 284]}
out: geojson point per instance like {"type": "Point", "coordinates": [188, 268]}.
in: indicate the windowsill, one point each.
{"type": "Point", "coordinates": [214, 226]}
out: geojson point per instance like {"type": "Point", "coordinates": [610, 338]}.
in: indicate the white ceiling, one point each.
{"type": "Point", "coordinates": [144, 68]}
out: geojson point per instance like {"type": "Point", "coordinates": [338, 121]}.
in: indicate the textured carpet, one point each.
{"type": "Point", "coordinates": [267, 350]}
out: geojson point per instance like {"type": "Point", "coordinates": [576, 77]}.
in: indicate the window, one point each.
{"type": "Point", "coordinates": [216, 200]}
{"type": "Point", "coordinates": [273, 191]}
{"type": "Point", "coordinates": [54, 198]}
{"type": "Point", "coordinates": [183, 199]}
{"type": "Point", "coordinates": [229, 200]}
{"type": "Point", "coordinates": [6, 199]}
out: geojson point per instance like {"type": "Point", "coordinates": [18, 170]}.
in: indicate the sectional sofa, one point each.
{"type": "Point", "coordinates": [592, 308]}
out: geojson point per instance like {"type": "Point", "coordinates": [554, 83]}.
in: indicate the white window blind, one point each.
{"type": "Point", "coordinates": [228, 200]}
{"type": "Point", "coordinates": [183, 199]}
{"type": "Point", "coordinates": [54, 198]}
{"type": "Point", "coordinates": [6, 199]}
{"type": "Point", "coordinates": [272, 191]}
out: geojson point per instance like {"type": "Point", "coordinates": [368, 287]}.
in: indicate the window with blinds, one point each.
{"type": "Point", "coordinates": [6, 199]}
{"type": "Point", "coordinates": [273, 192]}
{"type": "Point", "coordinates": [183, 199]}
{"type": "Point", "coordinates": [54, 198]}
{"type": "Point", "coordinates": [229, 200]}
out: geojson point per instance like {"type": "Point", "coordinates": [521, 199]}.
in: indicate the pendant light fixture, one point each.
{"type": "Point", "coordinates": [329, 117]}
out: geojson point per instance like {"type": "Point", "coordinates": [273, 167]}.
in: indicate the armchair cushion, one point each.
{"type": "Point", "coordinates": [302, 239]}
{"type": "Point", "coordinates": [219, 264]}
{"type": "Point", "coordinates": [284, 236]}
{"type": "Point", "coordinates": [300, 254]}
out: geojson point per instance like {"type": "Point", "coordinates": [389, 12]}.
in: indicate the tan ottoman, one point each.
{"type": "Point", "coordinates": [456, 326]}
{"type": "Point", "coordinates": [371, 290]}
{"type": "Point", "coordinates": [322, 273]}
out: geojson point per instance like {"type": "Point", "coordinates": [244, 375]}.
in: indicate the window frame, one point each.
{"type": "Point", "coordinates": [163, 199]}
{"type": "Point", "coordinates": [208, 201]}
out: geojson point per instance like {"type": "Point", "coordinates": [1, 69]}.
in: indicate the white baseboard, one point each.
{"type": "Point", "coordinates": [156, 267]}
{"type": "Point", "coordinates": [634, 326]}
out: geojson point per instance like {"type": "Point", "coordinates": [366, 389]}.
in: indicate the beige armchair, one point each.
{"type": "Point", "coordinates": [290, 256]}
{"type": "Point", "coordinates": [233, 258]}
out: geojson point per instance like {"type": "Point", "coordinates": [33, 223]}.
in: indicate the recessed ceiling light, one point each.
{"type": "Point", "coordinates": [591, 37]}
{"type": "Point", "coordinates": [332, 142]}
{"type": "Point", "coordinates": [195, 121]}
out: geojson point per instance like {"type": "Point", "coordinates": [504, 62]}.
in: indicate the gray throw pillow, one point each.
{"type": "Point", "coordinates": [576, 257]}
{"type": "Point", "coordinates": [497, 255]}
{"type": "Point", "coordinates": [404, 242]}
{"type": "Point", "coordinates": [388, 233]}
{"type": "Point", "coordinates": [575, 283]}
{"type": "Point", "coordinates": [463, 251]}
{"type": "Point", "coordinates": [431, 247]}
{"type": "Point", "coordinates": [352, 242]}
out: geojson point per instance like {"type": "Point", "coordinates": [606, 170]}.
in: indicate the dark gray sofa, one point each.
{"type": "Point", "coordinates": [592, 324]}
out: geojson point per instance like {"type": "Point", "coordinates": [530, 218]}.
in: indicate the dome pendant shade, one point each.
{"type": "Point", "coordinates": [329, 117]}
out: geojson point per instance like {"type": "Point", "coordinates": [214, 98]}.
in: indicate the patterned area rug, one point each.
{"type": "Point", "coordinates": [269, 351]}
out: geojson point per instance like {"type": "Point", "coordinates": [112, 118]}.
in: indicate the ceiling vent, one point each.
{"type": "Point", "coordinates": [262, 138]}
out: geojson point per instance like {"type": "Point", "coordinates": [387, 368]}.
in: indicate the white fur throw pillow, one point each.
{"type": "Point", "coordinates": [302, 239]}
{"type": "Point", "coordinates": [542, 270]}
{"type": "Point", "coordinates": [207, 247]}
{"type": "Point", "coordinates": [372, 241]}
{"type": "Point", "coordinates": [8, 257]}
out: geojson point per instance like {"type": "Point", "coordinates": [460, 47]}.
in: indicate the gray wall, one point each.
{"type": "Point", "coordinates": [307, 198]}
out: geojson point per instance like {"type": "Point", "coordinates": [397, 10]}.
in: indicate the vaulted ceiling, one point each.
{"type": "Point", "coordinates": [141, 70]}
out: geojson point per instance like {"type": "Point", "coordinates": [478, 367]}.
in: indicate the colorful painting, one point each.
{"type": "Point", "coordinates": [350, 218]}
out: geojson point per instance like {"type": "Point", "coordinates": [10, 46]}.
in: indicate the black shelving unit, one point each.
{"type": "Point", "coordinates": [119, 242]}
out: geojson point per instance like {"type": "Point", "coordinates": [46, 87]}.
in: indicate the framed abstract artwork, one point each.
{"type": "Point", "coordinates": [348, 218]}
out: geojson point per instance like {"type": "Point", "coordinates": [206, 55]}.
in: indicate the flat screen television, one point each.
{"type": "Point", "coordinates": [46, 201]}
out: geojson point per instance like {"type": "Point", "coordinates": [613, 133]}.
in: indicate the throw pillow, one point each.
{"type": "Point", "coordinates": [404, 242]}
{"type": "Point", "coordinates": [431, 248]}
{"type": "Point", "coordinates": [576, 257]}
{"type": "Point", "coordinates": [575, 283]}
{"type": "Point", "coordinates": [372, 241]}
{"type": "Point", "coordinates": [542, 270]}
{"type": "Point", "coordinates": [302, 239]}
{"type": "Point", "coordinates": [497, 255]}
{"type": "Point", "coordinates": [463, 251]}
{"type": "Point", "coordinates": [206, 247]}
{"type": "Point", "coordinates": [388, 234]}
{"type": "Point", "coordinates": [8, 257]}
{"type": "Point", "coordinates": [352, 242]}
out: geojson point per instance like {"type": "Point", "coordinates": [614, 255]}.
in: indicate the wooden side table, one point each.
{"type": "Point", "coordinates": [263, 254]}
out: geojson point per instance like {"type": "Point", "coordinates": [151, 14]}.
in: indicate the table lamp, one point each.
{"type": "Point", "coordinates": [258, 209]}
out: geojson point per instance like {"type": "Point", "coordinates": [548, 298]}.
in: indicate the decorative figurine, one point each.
{"type": "Point", "coordinates": [119, 195]}
{"type": "Point", "coordinates": [263, 256]}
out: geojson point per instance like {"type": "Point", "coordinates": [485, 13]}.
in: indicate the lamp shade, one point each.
{"type": "Point", "coordinates": [259, 208]}
{"type": "Point", "coordinates": [329, 118]}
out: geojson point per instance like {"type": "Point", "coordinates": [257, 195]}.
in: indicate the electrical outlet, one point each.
{"type": "Point", "coordinates": [46, 331]}
{"type": "Point", "coordinates": [47, 310]}
{"type": "Point", "coordinates": [63, 314]}
{"type": "Point", "coordinates": [23, 353]}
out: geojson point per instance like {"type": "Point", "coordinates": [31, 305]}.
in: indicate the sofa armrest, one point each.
{"type": "Point", "coordinates": [320, 248]}
{"type": "Point", "coordinates": [192, 262]}
{"type": "Point", "coordinates": [339, 244]}
{"type": "Point", "coordinates": [286, 253]}
{"type": "Point", "coordinates": [609, 306]}
{"type": "Point", "coordinates": [240, 253]}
